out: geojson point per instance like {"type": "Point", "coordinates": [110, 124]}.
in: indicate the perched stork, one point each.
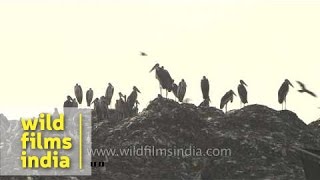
{"type": "Point", "coordinates": [205, 88]}
{"type": "Point", "coordinates": [181, 90]}
{"type": "Point", "coordinates": [164, 78]}
{"type": "Point", "coordinates": [132, 98]}
{"type": "Point", "coordinates": [121, 106]}
{"type": "Point", "coordinates": [243, 94]}
{"type": "Point", "coordinates": [89, 96]}
{"type": "Point", "coordinates": [283, 91]}
{"type": "Point", "coordinates": [226, 98]}
{"type": "Point", "coordinates": [78, 93]}
{"type": "Point", "coordinates": [175, 90]}
{"type": "Point", "coordinates": [109, 93]}
{"type": "Point", "coordinates": [305, 90]}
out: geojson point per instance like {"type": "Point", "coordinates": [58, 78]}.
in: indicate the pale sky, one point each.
{"type": "Point", "coordinates": [46, 47]}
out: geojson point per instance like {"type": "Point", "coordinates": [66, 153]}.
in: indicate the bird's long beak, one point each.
{"type": "Point", "coordinates": [245, 83]}
{"type": "Point", "coordinates": [291, 84]}
{"type": "Point", "coordinates": [138, 90]}
{"type": "Point", "coordinates": [153, 68]}
{"type": "Point", "coordinates": [234, 93]}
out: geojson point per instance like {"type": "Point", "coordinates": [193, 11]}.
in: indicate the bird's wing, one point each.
{"type": "Point", "coordinates": [311, 93]}
{"type": "Point", "coordinates": [301, 84]}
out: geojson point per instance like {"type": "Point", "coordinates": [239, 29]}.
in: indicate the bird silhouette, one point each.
{"type": "Point", "coordinates": [205, 88]}
{"type": "Point", "coordinates": [143, 53]}
{"type": "Point", "coordinates": [305, 90]}
{"type": "Point", "coordinates": [283, 91]}
{"type": "Point", "coordinates": [242, 91]}
{"type": "Point", "coordinates": [182, 88]}
{"type": "Point", "coordinates": [109, 93]}
{"type": "Point", "coordinates": [132, 98]}
{"type": "Point", "coordinates": [78, 93]}
{"type": "Point", "coordinates": [228, 97]}
{"type": "Point", "coordinates": [89, 96]}
{"type": "Point", "coordinates": [164, 78]}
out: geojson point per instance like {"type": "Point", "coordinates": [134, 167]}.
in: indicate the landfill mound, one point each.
{"type": "Point", "coordinates": [260, 140]}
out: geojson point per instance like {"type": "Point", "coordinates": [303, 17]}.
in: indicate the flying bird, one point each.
{"type": "Point", "coordinates": [89, 96]}
{"type": "Point", "coordinates": [109, 93]}
{"type": "Point", "coordinates": [283, 91]}
{"type": "Point", "coordinates": [205, 88]}
{"type": "Point", "coordinates": [304, 89]}
{"type": "Point", "coordinates": [143, 53]}
{"type": "Point", "coordinates": [181, 90]}
{"type": "Point", "coordinates": [78, 93]}
{"type": "Point", "coordinates": [226, 98]}
{"type": "Point", "coordinates": [243, 94]}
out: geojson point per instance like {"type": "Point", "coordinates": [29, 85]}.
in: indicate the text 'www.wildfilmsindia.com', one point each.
{"type": "Point", "coordinates": [153, 151]}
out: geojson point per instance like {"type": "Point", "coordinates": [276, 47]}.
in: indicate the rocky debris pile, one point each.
{"type": "Point", "coordinates": [4, 124]}
{"type": "Point", "coordinates": [259, 138]}
{"type": "Point", "coordinates": [254, 142]}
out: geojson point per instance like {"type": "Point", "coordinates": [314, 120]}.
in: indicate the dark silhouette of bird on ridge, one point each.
{"type": "Point", "coordinates": [243, 94]}
{"type": "Point", "coordinates": [78, 93]}
{"type": "Point", "coordinates": [89, 96]}
{"type": "Point", "coordinates": [226, 98]}
{"type": "Point", "coordinates": [283, 91]}
{"type": "Point", "coordinates": [164, 78]}
{"type": "Point", "coordinates": [182, 88]}
{"type": "Point", "coordinates": [305, 90]}
{"type": "Point", "coordinates": [132, 98]}
{"type": "Point", "coordinates": [205, 88]}
{"type": "Point", "coordinates": [109, 93]}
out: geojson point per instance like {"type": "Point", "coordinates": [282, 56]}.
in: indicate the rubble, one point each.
{"type": "Point", "coordinates": [260, 140]}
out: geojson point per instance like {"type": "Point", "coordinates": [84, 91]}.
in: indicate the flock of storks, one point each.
{"type": "Point", "coordinates": [127, 106]}
{"type": "Point", "coordinates": [167, 83]}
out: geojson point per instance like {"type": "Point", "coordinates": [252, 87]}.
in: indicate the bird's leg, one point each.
{"type": "Point", "coordinates": [166, 93]}
{"type": "Point", "coordinates": [285, 104]}
{"type": "Point", "coordinates": [226, 107]}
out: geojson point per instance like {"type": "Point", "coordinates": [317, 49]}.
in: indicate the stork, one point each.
{"type": "Point", "coordinates": [89, 96]}
{"type": "Point", "coordinates": [226, 98]}
{"type": "Point", "coordinates": [109, 93]}
{"type": "Point", "coordinates": [175, 90]}
{"type": "Point", "coordinates": [305, 90]}
{"type": "Point", "coordinates": [205, 88]}
{"type": "Point", "coordinates": [164, 78]}
{"type": "Point", "coordinates": [78, 93]}
{"type": "Point", "coordinates": [120, 105]}
{"type": "Point", "coordinates": [243, 94]}
{"type": "Point", "coordinates": [132, 98]}
{"type": "Point", "coordinates": [283, 91]}
{"type": "Point", "coordinates": [181, 90]}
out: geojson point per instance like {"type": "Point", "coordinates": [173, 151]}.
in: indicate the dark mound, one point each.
{"type": "Point", "coordinates": [260, 139]}
{"type": "Point", "coordinates": [255, 142]}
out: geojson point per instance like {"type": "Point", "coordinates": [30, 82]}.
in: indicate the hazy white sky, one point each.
{"type": "Point", "coordinates": [46, 47]}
